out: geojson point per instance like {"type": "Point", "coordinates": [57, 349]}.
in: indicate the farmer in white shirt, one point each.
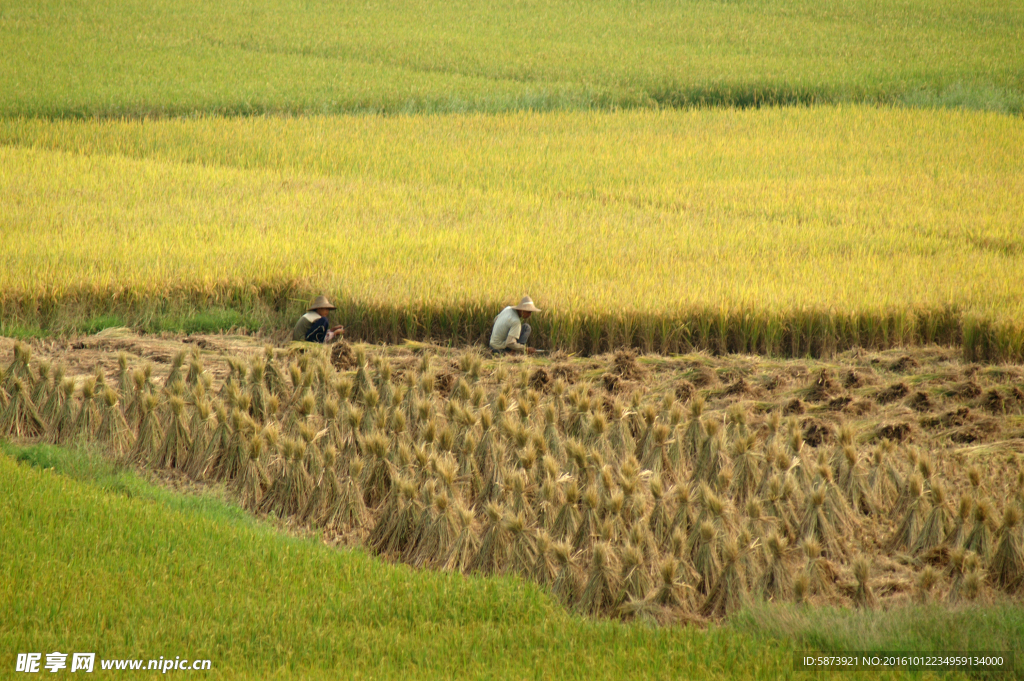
{"type": "Point", "coordinates": [510, 332]}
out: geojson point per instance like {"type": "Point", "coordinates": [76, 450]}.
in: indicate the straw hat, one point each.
{"type": "Point", "coordinates": [320, 302]}
{"type": "Point", "coordinates": [526, 305]}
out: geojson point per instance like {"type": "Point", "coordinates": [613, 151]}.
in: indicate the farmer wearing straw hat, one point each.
{"type": "Point", "coordinates": [313, 326]}
{"type": "Point", "coordinates": [510, 332]}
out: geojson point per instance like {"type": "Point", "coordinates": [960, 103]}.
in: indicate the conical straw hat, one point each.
{"type": "Point", "coordinates": [526, 305]}
{"type": "Point", "coordinates": [319, 302]}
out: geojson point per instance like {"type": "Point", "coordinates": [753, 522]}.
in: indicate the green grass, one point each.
{"type": "Point", "coordinates": [202, 321]}
{"type": "Point", "coordinates": [169, 57]}
{"type": "Point", "coordinates": [905, 629]}
{"type": "Point", "coordinates": [100, 322]}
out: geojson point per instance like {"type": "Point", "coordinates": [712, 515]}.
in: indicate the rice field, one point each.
{"type": "Point", "coordinates": [129, 58]}
{"type": "Point", "coordinates": [780, 231]}
{"type": "Point", "coordinates": [681, 503]}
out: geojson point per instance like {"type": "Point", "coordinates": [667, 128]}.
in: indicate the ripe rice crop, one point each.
{"type": "Point", "coordinates": [401, 466]}
{"type": "Point", "coordinates": [794, 231]}
{"type": "Point", "coordinates": [266, 56]}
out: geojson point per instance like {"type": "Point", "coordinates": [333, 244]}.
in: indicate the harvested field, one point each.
{"type": "Point", "coordinates": [626, 503]}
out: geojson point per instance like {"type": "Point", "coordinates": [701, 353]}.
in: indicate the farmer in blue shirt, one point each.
{"type": "Point", "coordinates": [313, 326]}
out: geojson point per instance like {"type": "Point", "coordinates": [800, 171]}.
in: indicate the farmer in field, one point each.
{"type": "Point", "coordinates": [313, 326]}
{"type": "Point", "coordinates": [510, 332]}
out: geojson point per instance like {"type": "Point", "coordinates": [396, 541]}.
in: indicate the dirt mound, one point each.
{"type": "Point", "coordinates": [904, 364]}
{"type": "Point", "coordinates": [616, 384]}
{"type": "Point", "coordinates": [702, 377]}
{"type": "Point", "coordinates": [965, 391]}
{"type": "Point", "coordinates": [444, 382]}
{"type": "Point", "coordinates": [625, 366]}
{"type": "Point", "coordinates": [685, 390]}
{"type": "Point", "coordinates": [540, 379]}
{"type": "Point", "coordinates": [951, 419]}
{"type": "Point", "coordinates": [816, 433]}
{"type": "Point", "coordinates": [897, 432]}
{"type": "Point", "coordinates": [920, 402]}
{"type": "Point", "coordinates": [852, 379]}
{"type": "Point", "coordinates": [860, 407]}
{"type": "Point", "coordinates": [896, 391]}
{"type": "Point", "coordinates": [342, 357]}
{"type": "Point", "coordinates": [981, 430]}
{"type": "Point", "coordinates": [823, 388]}
{"type": "Point", "coordinates": [839, 403]}
{"type": "Point", "coordinates": [794, 406]}
{"type": "Point", "coordinates": [740, 387]}
{"type": "Point", "coordinates": [994, 402]}
{"type": "Point", "coordinates": [568, 373]}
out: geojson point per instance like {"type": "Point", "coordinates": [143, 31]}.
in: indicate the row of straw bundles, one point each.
{"type": "Point", "coordinates": [652, 509]}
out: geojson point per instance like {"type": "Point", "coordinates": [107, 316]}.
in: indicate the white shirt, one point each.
{"type": "Point", "coordinates": [507, 327]}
